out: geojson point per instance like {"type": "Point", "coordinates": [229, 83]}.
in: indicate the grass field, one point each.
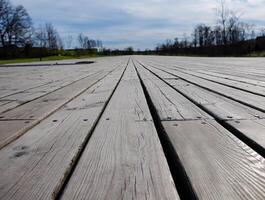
{"type": "Point", "coordinates": [49, 58]}
{"type": "Point", "coordinates": [257, 54]}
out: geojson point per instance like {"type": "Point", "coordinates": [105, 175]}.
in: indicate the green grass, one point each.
{"type": "Point", "coordinates": [49, 58]}
{"type": "Point", "coordinates": [257, 54]}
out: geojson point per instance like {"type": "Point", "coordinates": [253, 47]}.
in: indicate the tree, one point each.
{"type": "Point", "coordinates": [52, 36]}
{"type": "Point", "coordinates": [223, 13]}
{"type": "Point", "coordinates": [41, 37]}
{"type": "Point", "coordinates": [15, 25]}
{"type": "Point", "coordinates": [129, 50]}
{"type": "Point", "coordinates": [48, 37]}
{"type": "Point", "coordinates": [69, 41]}
{"type": "Point", "coordinates": [86, 43]}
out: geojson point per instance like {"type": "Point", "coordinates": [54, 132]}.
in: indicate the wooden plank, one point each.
{"type": "Point", "coordinates": [221, 107]}
{"type": "Point", "coordinates": [124, 157]}
{"type": "Point", "coordinates": [3, 102]}
{"type": "Point", "coordinates": [36, 165]}
{"type": "Point", "coordinates": [232, 113]}
{"type": "Point", "coordinates": [250, 99]}
{"type": "Point", "coordinates": [231, 83]}
{"type": "Point", "coordinates": [253, 130]}
{"type": "Point", "coordinates": [172, 105]}
{"type": "Point", "coordinates": [32, 94]}
{"type": "Point", "coordinates": [40, 108]}
{"type": "Point", "coordinates": [232, 66]}
{"type": "Point", "coordinates": [36, 92]}
{"type": "Point", "coordinates": [20, 79]}
{"type": "Point", "coordinates": [235, 78]}
{"type": "Point", "coordinates": [8, 106]}
{"type": "Point", "coordinates": [218, 165]}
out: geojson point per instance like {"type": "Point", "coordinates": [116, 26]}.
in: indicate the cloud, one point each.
{"type": "Point", "coordinates": [139, 23]}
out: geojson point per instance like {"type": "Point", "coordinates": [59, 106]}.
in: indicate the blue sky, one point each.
{"type": "Point", "coordinates": [139, 23]}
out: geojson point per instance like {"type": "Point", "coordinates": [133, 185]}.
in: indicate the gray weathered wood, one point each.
{"type": "Point", "coordinates": [172, 105]}
{"type": "Point", "coordinates": [35, 165]}
{"type": "Point", "coordinates": [238, 95]}
{"type": "Point", "coordinates": [218, 165]}
{"type": "Point", "coordinates": [124, 158]}
{"type": "Point", "coordinates": [42, 107]}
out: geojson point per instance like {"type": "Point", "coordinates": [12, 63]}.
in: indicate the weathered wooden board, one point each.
{"type": "Point", "coordinates": [235, 94]}
{"type": "Point", "coordinates": [3, 102]}
{"type": "Point", "coordinates": [172, 105]}
{"type": "Point", "coordinates": [218, 165]}
{"type": "Point", "coordinates": [231, 83]}
{"type": "Point", "coordinates": [235, 78]}
{"type": "Point", "coordinates": [42, 107]}
{"type": "Point", "coordinates": [247, 67]}
{"type": "Point", "coordinates": [124, 157]}
{"type": "Point", "coordinates": [221, 107]}
{"type": "Point", "coordinates": [224, 109]}
{"type": "Point", "coordinates": [253, 130]}
{"type": "Point", "coordinates": [14, 80]}
{"type": "Point", "coordinates": [36, 165]}
{"type": "Point", "coordinates": [35, 93]}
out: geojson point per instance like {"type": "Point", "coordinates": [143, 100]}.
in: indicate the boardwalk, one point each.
{"type": "Point", "coordinates": [133, 127]}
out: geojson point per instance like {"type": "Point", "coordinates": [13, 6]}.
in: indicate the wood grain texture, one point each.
{"type": "Point", "coordinates": [234, 78]}
{"type": "Point", "coordinates": [42, 107]}
{"type": "Point", "coordinates": [231, 83]}
{"type": "Point", "coordinates": [221, 107]}
{"type": "Point", "coordinates": [36, 165]}
{"type": "Point", "coordinates": [230, 112]}
{"type": "Point", "coordinates": [238, 95]}
{"type": "Point", "coordinates": [124, 158]}
{"type": "Point", "coordinates": [171, 104]}
{"type": "Point", "coordinates": [254, 130]}
{"type": "Point", "coordinates": [218, 165]}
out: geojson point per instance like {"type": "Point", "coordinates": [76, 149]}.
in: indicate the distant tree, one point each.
{"type": "Point", "coordinates": [217, 34]}
{"type": "Point", "coordinates": [68, 41]}
{"type": "Point", "coordinates": [185, 42]}
{"type": "Point", "coordinates": [86, 43]}
{"type": "Point", "coordinates": [52, 36]}
{"type": "Point", "coordinates": [176, 43]}
{"type": "Point", "coordinates": [129, 50]}
{"type": "Point", "coordinates": [223, 15]}
{"type": "Point", "coordinates": [15, 25]}
{"type": "Point", "coordinates": [40, 37]}
{"type": "Point", "coordinates": [48, 37]}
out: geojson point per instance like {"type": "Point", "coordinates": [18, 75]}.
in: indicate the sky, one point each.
{"type": "Point", "coordinates": [141, 24]}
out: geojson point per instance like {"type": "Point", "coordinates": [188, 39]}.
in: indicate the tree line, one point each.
{"type": "Point", "coordinates": [18, 36]}
{"type": "Point", "coordinates": [230, 36]}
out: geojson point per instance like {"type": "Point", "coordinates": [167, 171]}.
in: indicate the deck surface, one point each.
{"type": "Point", "coordinates": [133, 127]}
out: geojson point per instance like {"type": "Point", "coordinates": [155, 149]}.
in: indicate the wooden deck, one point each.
{"type": "Point", "coordinates": [138, 127]}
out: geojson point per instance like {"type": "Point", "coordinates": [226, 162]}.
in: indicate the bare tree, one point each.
{"type": "Point", "coordinates": [223, 16]}
{"type": "Point", "coordinates": [69, 41]}
{"type": "Point", "coordinates": [86, 43]}
{"type": "Point", "coordinates": [83, 41]}
{"type": "Point", "coordinates": [41, 37]}
{"type": "Point", "coordinates": [15, 25]}
{"type": "Point", "coordinates": [52, 36]}
{"type": "Point", "coordinates": [48, 37]}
